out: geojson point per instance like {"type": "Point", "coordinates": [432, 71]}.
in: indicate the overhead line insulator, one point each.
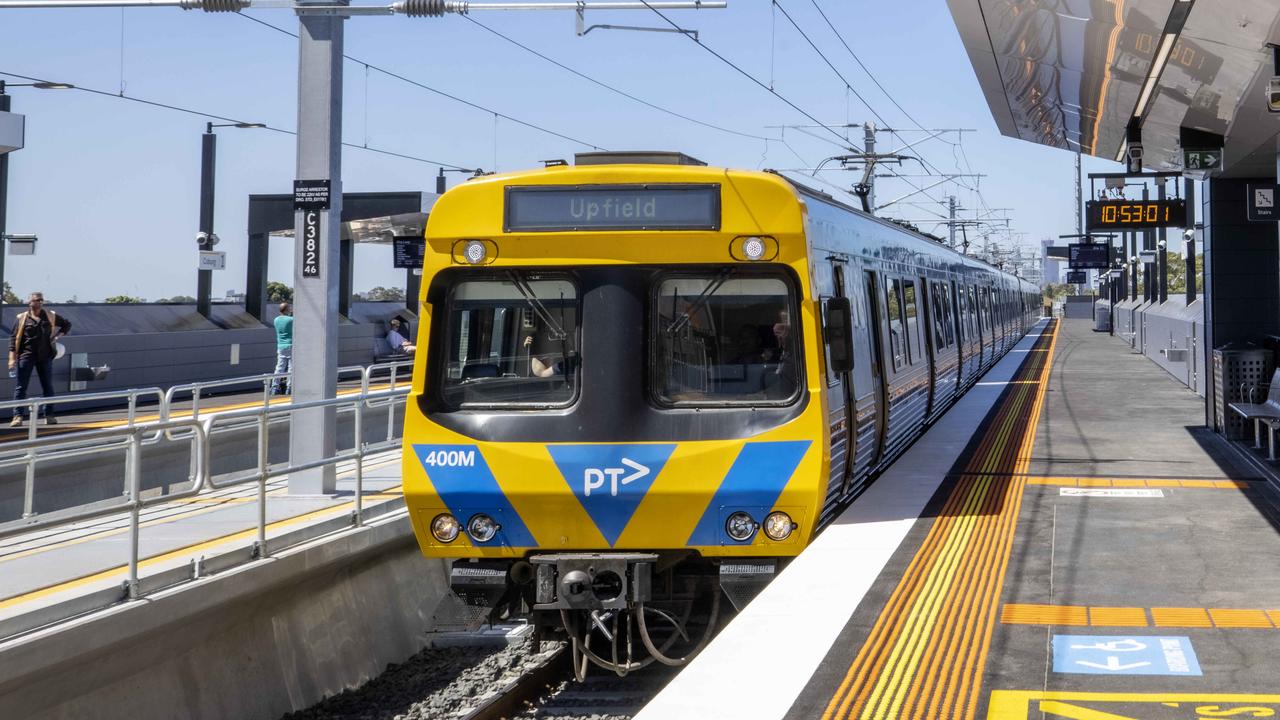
{"type": "Point", "coordinates": [430, 8]}
{"type": "Point", "coordinates": [215, 6]}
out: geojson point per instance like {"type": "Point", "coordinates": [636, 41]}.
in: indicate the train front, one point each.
{"type": "Point", "coordinates": [617, 399]}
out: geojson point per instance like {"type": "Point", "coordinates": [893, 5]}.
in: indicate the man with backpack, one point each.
{"type": "Point", "coordinates": [33, 346]}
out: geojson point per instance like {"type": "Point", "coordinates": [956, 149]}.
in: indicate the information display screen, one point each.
{"type": "Point", "coordinates": [1134, 214]}
{"type": "Point", "coordinates": [408, 251]}
{"type": "Point", "coordinates": [1088, 256]}
{"type": "Point", "coordinates": [1077, 277]}
{"type": "Point", "coordinates": [613, 207]}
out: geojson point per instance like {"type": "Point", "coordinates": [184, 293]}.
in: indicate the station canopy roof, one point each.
{"type": "Point", "coordinates": [1072, 73]}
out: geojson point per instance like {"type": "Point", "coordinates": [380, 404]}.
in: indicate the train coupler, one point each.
{"type": "Point", "coordinates": [592, 581]}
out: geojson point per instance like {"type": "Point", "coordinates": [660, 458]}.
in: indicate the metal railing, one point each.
{"type": "Point", "coordinates": [132, 398]}
{"type": "Point", "coordinates": [133, 439]}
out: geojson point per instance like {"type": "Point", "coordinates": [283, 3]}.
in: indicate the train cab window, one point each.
{"type": "Point", "coordinates": [511, 341]}
{"type": "Point", "coordinates": [725, 339]}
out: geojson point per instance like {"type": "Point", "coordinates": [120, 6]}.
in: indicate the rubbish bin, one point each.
{"type": "Point", "coordinates": [1101, 317]}
{"type": "Point", "coordinates": [1240, 370]}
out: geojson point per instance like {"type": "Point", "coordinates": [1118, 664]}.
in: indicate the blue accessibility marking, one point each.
{"type": "Point", "coordinates": [467, 486]}
{"type": "Point", "coordinates": [752, 485]}
{"type": "Point", "coordinates": [610, 480]}
{"type": "Point", "coordinates": [1124, 655]}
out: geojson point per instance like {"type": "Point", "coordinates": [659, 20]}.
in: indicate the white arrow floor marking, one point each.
{"type": "Point", "coordinates": [1113, 664]}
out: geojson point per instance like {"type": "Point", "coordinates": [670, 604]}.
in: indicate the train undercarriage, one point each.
{"type": "Point", "coordinates": [620, 611]}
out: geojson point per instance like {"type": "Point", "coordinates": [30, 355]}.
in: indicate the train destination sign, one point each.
{"type": "Point", "coordinates": [1134, 214]}
{"type": "Point", "coordinates": [1089, 256]}
{"type": "Point", "coordinates": [1077, 277]}
{"type": "Point", "coordinates": [613, 207]}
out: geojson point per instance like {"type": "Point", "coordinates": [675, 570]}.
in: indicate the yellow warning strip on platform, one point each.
{"type": "Point", "coordinates": [251, 533]}
{"type": "Point", "coordinates": [1141, 482]}
{"type": "Point", "coordinates": [66, 427]}
{"type": "Point", "coordinates": [925, 653]}
{"type": "Point", "coordinates": [1186, 617]}
{"type": "Point", "coordinates": [1038, 704]}
{"type": "Point", "coordinates": [202, 507]}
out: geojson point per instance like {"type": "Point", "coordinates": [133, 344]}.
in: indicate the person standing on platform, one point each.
{"type": "Point", "coordinates": [33, 346]}
{"type": "Point", "coordinates": [284, 349]}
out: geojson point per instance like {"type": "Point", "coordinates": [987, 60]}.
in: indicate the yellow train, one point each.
{"type": "Point", "coordinates": [642, 382]}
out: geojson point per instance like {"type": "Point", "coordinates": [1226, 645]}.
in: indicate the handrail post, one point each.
{"type": "Point", "coordinates": [29, 484]}
{"type": "Point", "coordinates": [133, 407]}
{"type": "Point", "coordinates": [359, 438]}
{"type": "Point", "coordinates": [262, 485]}
{"type": "Point", "coordinates": [135, 507]}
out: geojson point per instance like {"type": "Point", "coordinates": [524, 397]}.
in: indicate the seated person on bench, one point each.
{"type": "Point", "coordinates": [397, 341]}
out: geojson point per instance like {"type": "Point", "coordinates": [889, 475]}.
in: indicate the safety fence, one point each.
{"type": "Point", "coordinates": [185, 448]}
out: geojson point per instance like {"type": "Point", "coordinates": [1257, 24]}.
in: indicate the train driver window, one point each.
{"type": "Point", "coordinates": [726, 338]}
{"type": "Point", "coordinates": [511, 341]}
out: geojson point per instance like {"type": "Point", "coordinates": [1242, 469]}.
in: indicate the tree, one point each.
{"type": "Point", "coordinates": [278, 292]}
{"type": "Point", "coordinates": [122, 300]}
{"type": "Point", "coordinates": [385, 294]}
{"type": "Point", "coordinates": [178, 299]}
{"type": "Point", "coordinates": [9, 297]}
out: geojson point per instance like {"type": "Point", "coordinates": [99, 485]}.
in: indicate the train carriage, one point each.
{"type": "Point", "coordinates": [642, 380]}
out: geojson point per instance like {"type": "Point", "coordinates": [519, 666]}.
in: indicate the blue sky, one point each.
{"type": "Point", "coordinates": [112, 187]}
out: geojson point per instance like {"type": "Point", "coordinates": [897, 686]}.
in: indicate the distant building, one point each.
{"type": "Point", "coordinates": [1051, 270]}
{"type": "Point", "coordinates": [234, 297]}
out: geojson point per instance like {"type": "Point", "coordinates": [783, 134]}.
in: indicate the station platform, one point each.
{"type": "Point", "coordinates": [57, 565]}
{"type": "Point", "coordinates": [1068, 541]}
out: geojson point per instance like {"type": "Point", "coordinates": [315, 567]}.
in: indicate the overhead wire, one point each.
{"type": "Point", "coordinates": [612, 88]}
{"type": "Point", "coordinates": [849, 88]}
{"type": "Point", "coordinates": [225, 118]}
{"type": "Point", "coordinates": [437, 91]}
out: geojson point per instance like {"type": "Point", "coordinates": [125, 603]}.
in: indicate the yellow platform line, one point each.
{"type": "Point", "coordinates": [1101, 482]}
{"type": "Point", "coordinates": [205, 506]}
{"type": "Point", "coordinates": [64, 428]}
{"type": "Point", "coordinates": [174, 554]}
{"type": "Point", "coordinates": [1186, 617]}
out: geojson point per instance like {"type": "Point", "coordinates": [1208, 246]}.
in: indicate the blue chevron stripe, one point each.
{"type": "Point", "coordinates": [753, 484]}
{"type": "Point", "coordinates": [467, 486]}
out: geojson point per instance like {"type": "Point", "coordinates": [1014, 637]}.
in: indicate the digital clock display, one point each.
{"type": "Point", "coordinates": [1134, 214]}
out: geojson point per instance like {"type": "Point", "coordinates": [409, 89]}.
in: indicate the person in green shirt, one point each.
{"type": "Point", "coordinates": [284, 349]}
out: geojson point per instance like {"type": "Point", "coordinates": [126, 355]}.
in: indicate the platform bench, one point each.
{"type": "Point", "coordinates": [1267, 412]}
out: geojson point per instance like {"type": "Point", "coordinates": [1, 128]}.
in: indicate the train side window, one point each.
{"type": "Point", "coordinates": [491, 360]}
{"type": "Point", "coordinates": [897, 333]}
{"type": "Point", "coordinates": [914, 350]}
{"type": "Point", "coordinates": [725, 339]}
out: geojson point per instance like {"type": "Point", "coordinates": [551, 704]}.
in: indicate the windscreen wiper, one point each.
{"type": "Point", "coordinates": [712, 287]}
{"type": "Point", "coordinates": [556, 330]}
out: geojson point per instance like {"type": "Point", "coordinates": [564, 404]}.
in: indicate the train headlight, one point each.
{"type": "Point", "coordinates": [475, 252]}
{"type": "Point", "coordinates": [482, 528]}
{"type": "Point", "coordinates": [778, 526]}
{"type": "Point", "coordinates": [753, 248]}
{"type": "Point", "coordinates": [445, 528]}
{"type": "Point", "coordinates": [740, 526]}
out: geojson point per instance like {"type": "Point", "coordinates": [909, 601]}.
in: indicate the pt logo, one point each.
{"type": "Point", "coordinates": [610, 480]}
{"type": "Point", "coordinates": [594, 478]}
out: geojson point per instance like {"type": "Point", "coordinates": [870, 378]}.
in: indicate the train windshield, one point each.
{"type": "Point", "coordinates": [725, 338]}
{"type": "Point", "coordinates": [512, 340]}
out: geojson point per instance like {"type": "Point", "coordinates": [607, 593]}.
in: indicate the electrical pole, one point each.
{"type": "Point", "coordinates": [5, 99]}
{"type": "Point", "coordinates": [1079, 199]}
{"type": "Point", "coordinates": [951, 205]}
{"type": "Point", "coordinates": [208, 160]}
{"type": "Point", "coordinates": [869, 149]}
{"type": "Point", "coordinates": [316, 254]}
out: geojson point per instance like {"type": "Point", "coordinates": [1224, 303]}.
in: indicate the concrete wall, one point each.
{"type": "Point", "coordinates": [1152, 329]}
{"type": "Point", "coordinates": [251, 643]}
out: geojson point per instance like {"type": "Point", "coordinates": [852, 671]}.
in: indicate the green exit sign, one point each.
{"type": "Point", "coordinates": [1202, 159]}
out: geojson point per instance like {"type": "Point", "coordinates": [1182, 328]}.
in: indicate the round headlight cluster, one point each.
{"type": "Point", "coordinates": [753, 248]}
{"type": "Point", "coordinates": [475, 252]}
{"type": "Point", "coordinates": [482, 528]}
{"type": "Point", "coordinates": [778, 526]}
{"type": "Point", "coordinates": [445, 528]}
{"type": "Point", "coordinates": [740, 526]}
